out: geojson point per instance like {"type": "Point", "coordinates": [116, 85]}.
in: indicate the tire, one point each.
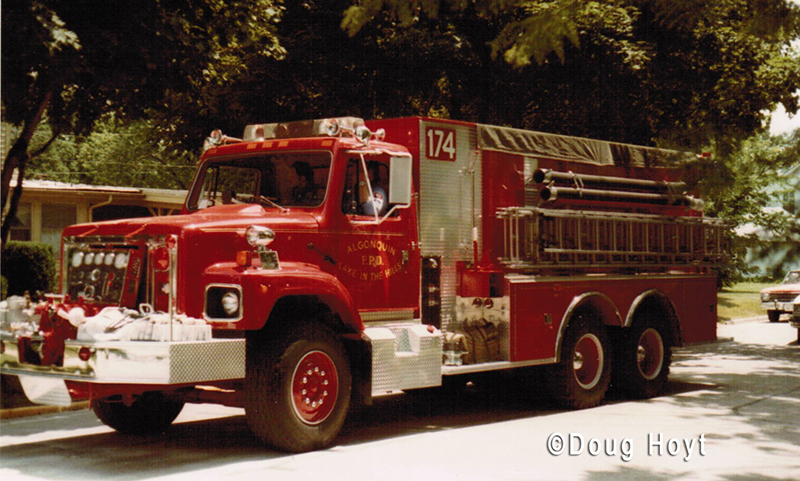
{"type": "Point", "coordinates": [297, 387]}
{"type": "Point", "coordinates": [643, 359]}
{"type": "Point", "coordinates": [150, 413]}
{"type": "Point", "coordinates": [582, 376]}
{"type": "Point", "coordinates": [774, 316]}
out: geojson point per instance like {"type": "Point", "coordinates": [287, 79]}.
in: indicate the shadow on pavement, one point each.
{"type": "Point", "coordinates": [758, 384]}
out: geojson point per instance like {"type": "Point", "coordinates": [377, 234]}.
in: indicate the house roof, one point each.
{"type": "Point", "coordinates": [792, 172]}
{"type": "Point", "coordinates": [34, 184]}
{"type": "Point", "coordinates": [121, 195]}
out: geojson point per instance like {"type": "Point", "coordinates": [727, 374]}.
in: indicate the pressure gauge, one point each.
{"type": "Point", "coordinates": [77, 259]}
{"type": "Point", "coordinates": [121, 260]}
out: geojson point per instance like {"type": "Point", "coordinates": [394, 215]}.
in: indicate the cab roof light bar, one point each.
{"type": "Point", "coordinates": [332, 127]}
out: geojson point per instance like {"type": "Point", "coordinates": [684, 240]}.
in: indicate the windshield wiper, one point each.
{"type": "Point", "coordinates": [266, 202]}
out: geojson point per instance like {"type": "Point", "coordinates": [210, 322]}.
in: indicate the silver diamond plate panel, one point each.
{"type": "Point", "coordinates": [213, 362]}
{"type": "Point", "coordinates": [155, 362]}
{"type": "Point", "coordinates": [48, 391]}
{"type": "Point", "coordinates": [450, 205]}
{"type": "Point", "coordinates": [405, 357]}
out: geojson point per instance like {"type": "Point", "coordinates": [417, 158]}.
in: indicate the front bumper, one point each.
{"type": "Point", "coordinates": [136, 362]}
{"type": "Point", "coordinates": [784, 307]}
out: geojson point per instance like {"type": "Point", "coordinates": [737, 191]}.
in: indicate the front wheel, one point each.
{"type": "Point", "coordinates": [297, 390]}
{"type": "Point", "coordinates": [150, 413]}
{"type": "Point", "coordinates": [582, 376]}
{"type": "Point", "coordinates": [774, 316]}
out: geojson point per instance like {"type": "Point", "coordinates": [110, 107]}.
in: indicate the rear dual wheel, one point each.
{"type": "Point", "coordinates": [643, 359]}
{"type": "Point", "coordinates": [582, 376]}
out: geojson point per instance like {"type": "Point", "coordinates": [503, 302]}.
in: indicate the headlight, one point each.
{"type": "Point", "coordinates": [98, 258]}
{"type": "Point", "coordinates": [223, 303]}
{"type": "Point", "coordinates": [230, 303]}
{"type": "Point", "coordinates": [765, 296]}
{"type": "Point", "coordinates": [258, 236]}
{"type": "Point", "coordinates": [88, 258]}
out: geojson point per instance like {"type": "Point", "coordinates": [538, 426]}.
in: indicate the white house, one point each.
{"type": "Point", "coordinates": [46, 207]}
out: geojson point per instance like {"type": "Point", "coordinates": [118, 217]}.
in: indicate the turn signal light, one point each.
{"type": "Point", "coordinates": [85, 354]}
{"type": "Point", "coordinates": [244, 258]}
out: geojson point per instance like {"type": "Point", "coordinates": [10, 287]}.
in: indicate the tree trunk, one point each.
{"type": "Point", "coordinates": [18, 160]}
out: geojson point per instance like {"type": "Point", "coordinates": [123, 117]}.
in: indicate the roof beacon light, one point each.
{"type": "Point", "coordinates": [216, 139]}
{"type": "Point", "coordinates": [363, 134]}
{"type": "Point", "coordinates": [213, 140]}
{"type": "Point", "coordinates": [332, 127]}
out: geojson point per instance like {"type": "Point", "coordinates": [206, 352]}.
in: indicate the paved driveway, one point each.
{"type": "Point", "coordinates": [733, 413]}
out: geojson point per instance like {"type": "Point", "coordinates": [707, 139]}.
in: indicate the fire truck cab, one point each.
{"type": "Point", "coordinates": [321, 263]}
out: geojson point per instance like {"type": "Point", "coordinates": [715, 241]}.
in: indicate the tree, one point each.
{"type": "Point", "coordinates": [76, 60]}
{"type": "Point", "coordinates": [133, 153]}
{"type": "Point", "coordinates": [666, 72]}
{"type": "Point", "coordinates": [748, 190]}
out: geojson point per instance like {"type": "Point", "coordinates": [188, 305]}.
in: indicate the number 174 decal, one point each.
{"type": "Point", "coordinates": [441, 143]}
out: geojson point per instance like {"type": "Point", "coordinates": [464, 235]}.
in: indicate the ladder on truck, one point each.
{"type": "Point", "coordinates": [540, 238]}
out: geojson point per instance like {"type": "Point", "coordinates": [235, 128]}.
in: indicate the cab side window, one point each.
{"type": "Point", "coordinates": [366, 194]}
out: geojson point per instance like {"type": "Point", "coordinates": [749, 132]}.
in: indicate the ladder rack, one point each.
{"type": "Point", "coordinates": [537, 238]}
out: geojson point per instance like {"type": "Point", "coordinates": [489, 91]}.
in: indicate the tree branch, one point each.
{"type": "Point", "coordinates": [18, 160]}
{"type": "Point", "coordinates": [43, 148]}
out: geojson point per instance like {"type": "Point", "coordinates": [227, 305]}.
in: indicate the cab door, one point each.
{"type": "Point", "coordinates": [377, 252]}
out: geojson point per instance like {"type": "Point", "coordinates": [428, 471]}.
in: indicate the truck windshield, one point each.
{"type": "Point", "coordinates": [280, 180]}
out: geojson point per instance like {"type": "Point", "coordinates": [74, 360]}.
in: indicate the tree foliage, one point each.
{"type": "Point", "coordinates": [671, 73]}
{"type": "Point", "coordinates": [749, 189]}
{"type": "Point", "coordinates": [78, 59]}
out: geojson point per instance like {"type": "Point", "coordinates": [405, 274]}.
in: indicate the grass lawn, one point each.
{"type": "Point", "coordinates": [741, 301]}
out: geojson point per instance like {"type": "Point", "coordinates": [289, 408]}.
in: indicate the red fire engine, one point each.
{"type": "Point", "coordinates": [318, 264]}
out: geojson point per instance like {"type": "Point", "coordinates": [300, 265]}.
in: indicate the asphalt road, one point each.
{"type": "Point", "coordinates": [732, 413]}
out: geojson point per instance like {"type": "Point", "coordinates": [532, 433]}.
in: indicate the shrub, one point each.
{"type": "Point", "coordinates": [28, 266]}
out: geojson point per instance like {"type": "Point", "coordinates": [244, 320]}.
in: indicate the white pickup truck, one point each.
{"type": "Point", "coordinates": [779, 299]}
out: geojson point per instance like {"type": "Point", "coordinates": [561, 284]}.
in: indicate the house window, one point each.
{"type": "Point", "coordinates": [21, 225]}
{"type": "Point", "coordinates": [55, 217]}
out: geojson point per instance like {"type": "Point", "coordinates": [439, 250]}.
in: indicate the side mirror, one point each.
{"type": "Point", "coordinates": [400, 181]}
